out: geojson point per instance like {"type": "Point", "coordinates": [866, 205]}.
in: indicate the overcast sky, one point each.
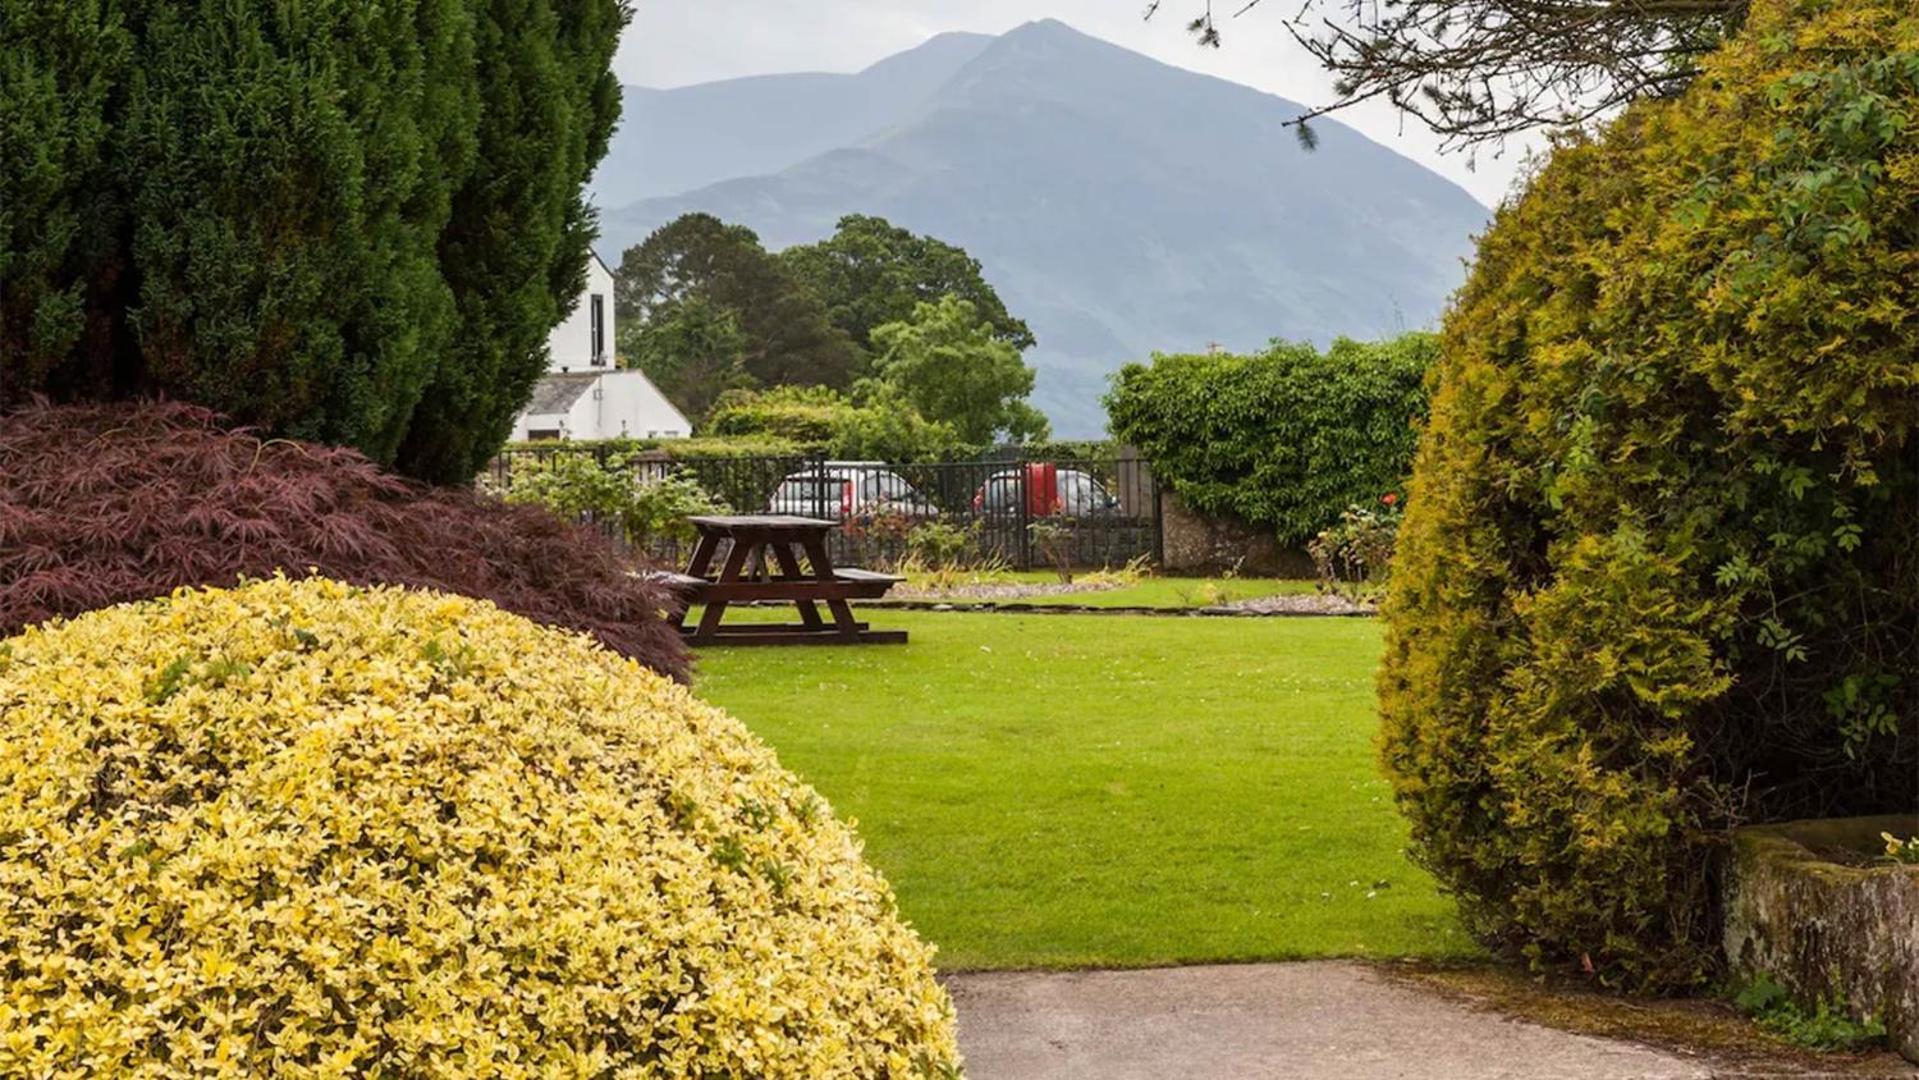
{"type": "Point", "coordinates": [677, 42]}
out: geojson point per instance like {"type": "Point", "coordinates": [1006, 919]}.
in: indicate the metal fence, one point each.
{"type": "Point", "coordinates": [1004, 510]}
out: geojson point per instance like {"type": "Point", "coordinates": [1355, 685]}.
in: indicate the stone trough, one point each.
{"type": "Point", "coordinates": [1807, 904]}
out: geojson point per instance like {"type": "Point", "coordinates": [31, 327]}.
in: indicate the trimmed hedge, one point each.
{"type": "Point", "coordinates": [1288, 438]}
{"type": "Point", "coordinates": [1656, 573]}
{"type": "Point", "coordinates": [302, 829]}
{"type": "Point", "coordinates": [103, 504]}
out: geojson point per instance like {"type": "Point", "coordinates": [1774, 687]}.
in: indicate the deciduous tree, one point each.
{"type": "Point", "coordinates": [948, 364]}
{"type": "Point", "coordinates": [1477, 71]}
{"type": "Point", "coordinates": [871, 271]}
{"type": "Point", "coordinates": [786, 338]}
{"type": "Point", "coordinates": [691, 348]}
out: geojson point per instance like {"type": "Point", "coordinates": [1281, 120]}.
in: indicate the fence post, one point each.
{"type": "Point", "coordinates": [1025, 520]}
{"type": "Point", "coordinates": [1159, 528]}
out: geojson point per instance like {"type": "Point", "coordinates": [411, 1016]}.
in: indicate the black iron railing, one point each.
{"type": "Point", "coordinates": [1006, 510]}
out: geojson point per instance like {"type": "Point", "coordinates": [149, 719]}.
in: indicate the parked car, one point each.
{"type": "Point", "coordinates": [1050, 492]}
{"type": "Point", "coordinates": [845, 490]}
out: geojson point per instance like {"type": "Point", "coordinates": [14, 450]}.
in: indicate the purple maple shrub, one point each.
{"type": "Point", "coordinates": [103, 504]}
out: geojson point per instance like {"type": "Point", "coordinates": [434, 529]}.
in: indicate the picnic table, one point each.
{"type": "Point", "coordinates": [763, 561]}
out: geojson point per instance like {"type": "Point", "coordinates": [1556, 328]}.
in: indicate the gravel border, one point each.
{"type": "Point", "coordinates": [1335, 609]}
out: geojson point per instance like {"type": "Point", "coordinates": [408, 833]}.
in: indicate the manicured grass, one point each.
{"type": "Point", "coordinates": [1107, 790]}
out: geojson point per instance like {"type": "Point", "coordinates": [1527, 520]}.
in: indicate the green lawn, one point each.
{"type": "Point", "coordinates": [1107, 790]}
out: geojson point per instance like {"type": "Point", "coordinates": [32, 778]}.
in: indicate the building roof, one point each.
{"type": "Point", "coordinates": [555, 394]}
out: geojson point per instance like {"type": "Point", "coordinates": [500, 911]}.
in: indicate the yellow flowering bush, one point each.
{"type": "Point", "coordinates": [303, 829]}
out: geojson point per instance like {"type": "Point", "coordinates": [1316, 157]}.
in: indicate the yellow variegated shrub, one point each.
{"type": "Point", "coordinates": [303, 829]}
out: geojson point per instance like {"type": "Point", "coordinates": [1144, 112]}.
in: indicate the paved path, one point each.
{"type": "Point", "coordinates": [1306, 1020]}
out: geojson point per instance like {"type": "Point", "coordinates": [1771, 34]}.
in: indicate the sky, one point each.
{"type": "Point", "coordinates": [679, 42]}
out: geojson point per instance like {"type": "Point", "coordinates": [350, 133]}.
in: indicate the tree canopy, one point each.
{"type": "Point", "coordinates": [1477, 71]}
{"type": "Point", "coordinates": [672, 287]}
{"type": "Point", "coordinates": [880, 426]}
{"type": "Point", "coordinates": [348, 223]}
{"type": "Point", "coordinates": [871, 272]}
{"type": "Point", "coordinates": [948, 364]}
{"type": "Point", "coordinates": [692, 349]}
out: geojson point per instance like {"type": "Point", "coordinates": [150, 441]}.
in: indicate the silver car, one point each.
{"type": "Point", "coordinates": [1074, 494]}
{"type": "Point", "coordinates": [845, 490]}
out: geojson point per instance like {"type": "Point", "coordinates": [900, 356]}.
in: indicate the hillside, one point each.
{"type": "Point", "coordinates": [1119, 205]}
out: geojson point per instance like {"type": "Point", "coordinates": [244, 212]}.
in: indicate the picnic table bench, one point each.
{"type": "Point", "coordinates": [763, 561]}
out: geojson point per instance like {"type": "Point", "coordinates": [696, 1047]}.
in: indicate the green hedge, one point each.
{"type": "Point", "coordinates": [1656, 573]}
{"type": "Point", "coordinates": [1289, 437]}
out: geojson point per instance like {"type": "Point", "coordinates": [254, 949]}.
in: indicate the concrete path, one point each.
{"type": "Point", "coordinates": [1303, 1020]}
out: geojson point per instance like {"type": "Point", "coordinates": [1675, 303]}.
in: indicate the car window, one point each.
{"type": "Point", "coordinates": [1002, 493]}
{"type": "Point", "coordinates": [891, 486]}
{"type": "Point", "coordinates": [807, 493]}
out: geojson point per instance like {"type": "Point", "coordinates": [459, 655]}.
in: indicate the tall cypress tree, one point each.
{"type": "Point", "coordinates": [62, 66]}
{"type": "Point", "coordinates": [347, 222]}
{"type": "Point", "coordinates": [516, 248]}
{"type": "Point", "coordinates": [291, 167]}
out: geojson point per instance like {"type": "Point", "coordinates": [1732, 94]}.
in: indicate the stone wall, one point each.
{"type": "Point", "coordinates": [1822, 926]}
{"type": "Point", "coordinates": [1198, 543]}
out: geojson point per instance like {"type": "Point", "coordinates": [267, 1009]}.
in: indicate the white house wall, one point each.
{"type": "Point", "coordinates": [526, 424]}
{"type": "Point", "coordinates": [570, 345]}
{"type": "Point", "coordinates": [618, 403]}
{"type": "Point", "coordinates": [625, 404]}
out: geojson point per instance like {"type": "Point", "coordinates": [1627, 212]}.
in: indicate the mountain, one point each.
{"type": "Point", "coordinates": [671, 141]}
{"type": "Point", "coordinates": [1118, 204]}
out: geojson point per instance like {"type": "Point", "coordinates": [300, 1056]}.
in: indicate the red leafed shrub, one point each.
{"type": "Point", "coordinates": [102, 504]}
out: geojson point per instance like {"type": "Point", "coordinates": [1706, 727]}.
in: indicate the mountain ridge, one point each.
{"type": "Point", "coordinates": [1118, 204]}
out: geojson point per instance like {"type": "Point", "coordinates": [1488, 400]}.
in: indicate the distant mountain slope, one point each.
{"type": "Point", "coordinates": [671, 141]}
{"type": "Point", "coordinates": [1120, 206]}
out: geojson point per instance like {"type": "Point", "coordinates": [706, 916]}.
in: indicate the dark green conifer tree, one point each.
{"type": "Point", "coordinates": [353, 223]}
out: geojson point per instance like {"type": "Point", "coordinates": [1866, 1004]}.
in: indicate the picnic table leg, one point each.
{"type": "Point", "coordinates": [715, 608]}
{"type": "Point", "coordinates": [703, 551]}
{"type": "Point", "coordinates": [790, 566]}
{"type": "Point", "coordinates": [823, 571]}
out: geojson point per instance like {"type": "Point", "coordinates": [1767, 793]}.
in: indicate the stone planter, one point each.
{"type": "Point", "coordinates": [1806, 905]}
{"type": "Point", "coordinates": [1196, 543]}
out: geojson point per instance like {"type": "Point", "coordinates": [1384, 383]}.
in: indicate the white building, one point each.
{"type": "Point", "coordinates": [583, 395]}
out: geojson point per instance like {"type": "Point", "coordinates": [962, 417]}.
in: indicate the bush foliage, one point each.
{"type": "Point", "coordinates": [303, 829]}
{"type": "Point", "coordinates": [102, 504]}
{"type": "Point", "coordinates": [350, 223]}
{"type": "Point", "coordinates": [1289, 437]}
{"type": "Point", "coordinates": [888, 429]}
{"type": "Point", "coordinates": [644, 501]}
{"type": "Point", "coordinates": [1656, 572]}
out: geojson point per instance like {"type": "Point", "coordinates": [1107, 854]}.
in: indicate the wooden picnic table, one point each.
{"type": "Point", "coordinates": [763, 561]}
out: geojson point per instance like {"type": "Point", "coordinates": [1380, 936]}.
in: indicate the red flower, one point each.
{"type": "Point", "coordinates": [1390, 499]}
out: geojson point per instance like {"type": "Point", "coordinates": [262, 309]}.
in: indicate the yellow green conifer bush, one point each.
{"type": "Point", "coordinates": [304, 829]}
{"type": "Point", "coordinates": [1658, 570]}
